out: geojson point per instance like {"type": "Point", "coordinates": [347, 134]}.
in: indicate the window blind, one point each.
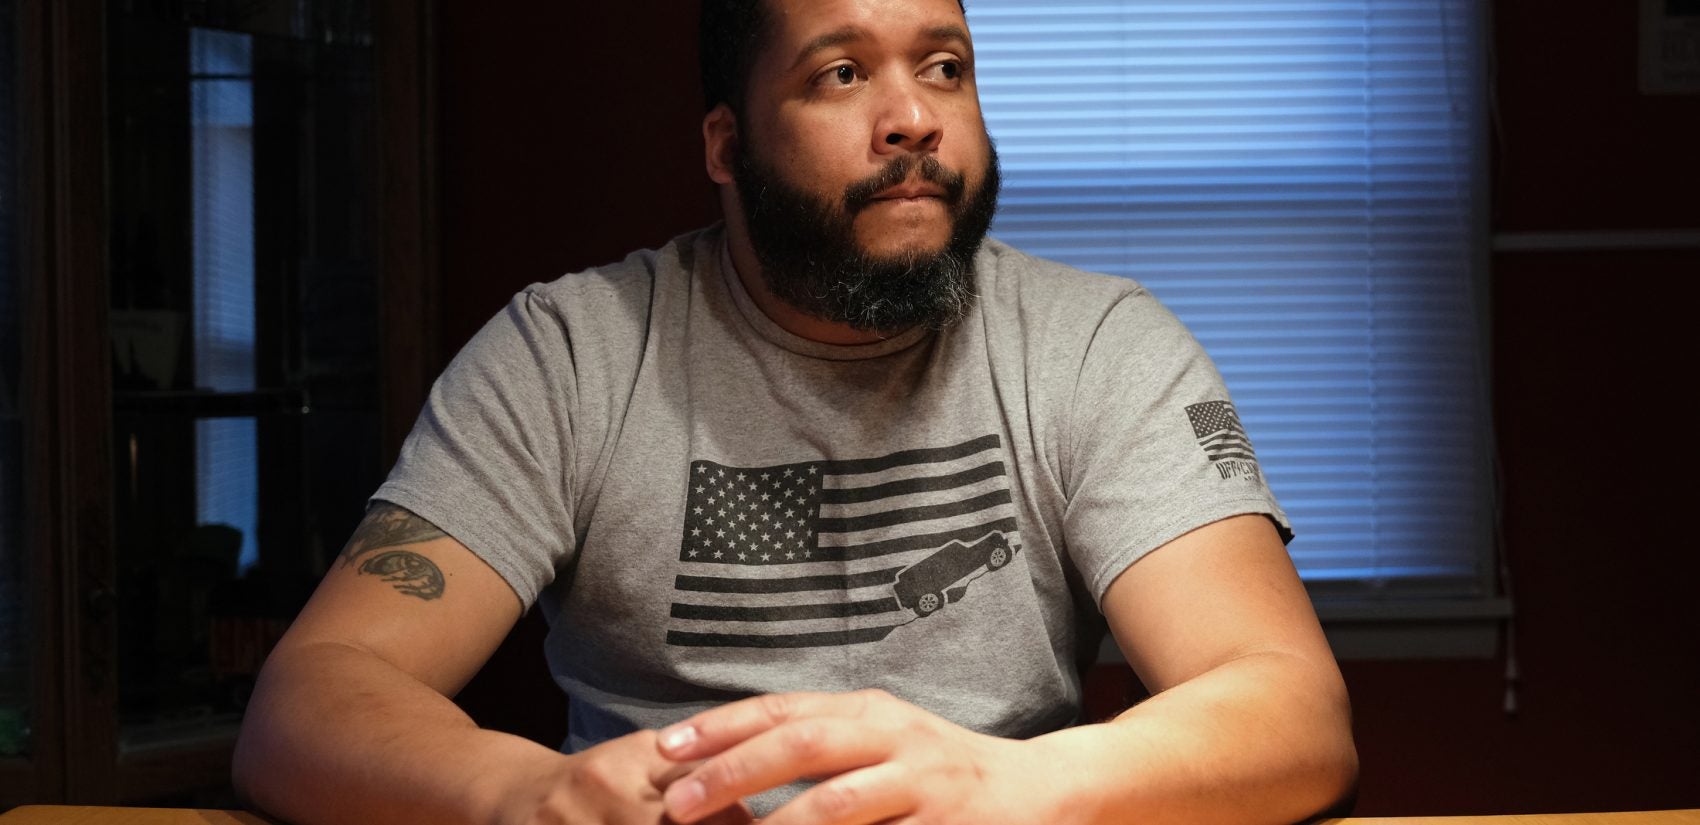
{"type": "Point", "coordinates": [1295, 181]}
{"type": "Point", "coordinates": [221, 102]}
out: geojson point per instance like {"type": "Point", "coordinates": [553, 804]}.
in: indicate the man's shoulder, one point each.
{"type": "Point", "coordinates": [1014, 281]}
{"type": "Point", "coordinates": [630, 282]}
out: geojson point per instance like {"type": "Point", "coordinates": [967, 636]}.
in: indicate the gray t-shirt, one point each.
{"type": "Point", "coordinates": [708, 507]}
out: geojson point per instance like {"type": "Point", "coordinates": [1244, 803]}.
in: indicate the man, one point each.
{"type": "Point", "coordinates": [822, 506]}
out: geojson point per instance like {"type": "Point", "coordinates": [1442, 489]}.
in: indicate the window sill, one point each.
{"type": "Point", "coordinates": [1366, 630]}
{"type": "Point", "coordinates": [1463, 628]}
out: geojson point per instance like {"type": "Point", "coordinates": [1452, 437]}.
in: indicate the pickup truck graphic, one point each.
{"type": "Point", "coordinates": [921, 586]}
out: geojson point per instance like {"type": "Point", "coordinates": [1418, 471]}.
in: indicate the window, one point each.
{"type": "Point", "coordinates": [1296, 181]}
{"type": "Point", "coordinates": [221, 111]}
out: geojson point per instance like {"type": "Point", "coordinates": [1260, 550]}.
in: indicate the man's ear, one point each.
{"type": "Point", "coordinates": [720, 142]}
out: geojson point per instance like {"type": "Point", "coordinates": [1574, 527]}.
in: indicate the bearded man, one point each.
{"type": "Point", "coordinates": [824, 506]}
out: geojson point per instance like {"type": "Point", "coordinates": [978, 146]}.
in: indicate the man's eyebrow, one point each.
{"type": "Point", "coordinates": [950, 32]}
{"type": "Point", "coordinates": [851, 34]}
{"type": "Point", "coordinates": [836, 37]}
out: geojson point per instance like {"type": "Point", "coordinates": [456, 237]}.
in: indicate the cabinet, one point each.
{"type": "Point", "coordinates": [215, 325]}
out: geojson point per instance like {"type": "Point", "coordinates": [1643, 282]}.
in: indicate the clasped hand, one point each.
{"type": "Point", "coordinates": [879, 759]}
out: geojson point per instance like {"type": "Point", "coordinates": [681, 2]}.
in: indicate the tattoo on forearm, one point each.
{"type": "Point", "coordinates": [385, 526]}
{"type": "Point", "coordinates": [410, 573]}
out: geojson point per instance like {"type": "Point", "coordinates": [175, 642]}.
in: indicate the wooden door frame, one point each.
{"type": "Point", "coordinates": [67, 400]}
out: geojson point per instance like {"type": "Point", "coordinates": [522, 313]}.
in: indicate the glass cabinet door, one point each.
{"type": "Point", "coordinates": [244, 340]}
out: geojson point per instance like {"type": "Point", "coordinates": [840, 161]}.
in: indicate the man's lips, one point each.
{"type": "Point", "coordinates": [910, 192]}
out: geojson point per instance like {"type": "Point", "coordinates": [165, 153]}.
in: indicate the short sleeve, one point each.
{"type": "Point", "coordinates": [1156, 448]}
{"type": "Point", "coordinates": [489, 460]}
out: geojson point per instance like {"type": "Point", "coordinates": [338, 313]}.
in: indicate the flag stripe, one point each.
{"type": "Point", "coordinates": [799, 584]}
{"type": "Point", "coordinates": [967, 491]}
{"type": "Point", "coordinates": [1235, 454]}
{"type": "Point", "coordinates": [784, 613]}
{"type": "Point", "coordinates": [926, 456]}
{"type": "Point", "coordinates": [908, 514]}
{"type": "Point", "coordinates": [832, 638]}
{"type": "Point", "coordinates": [858, 495]}
{"type": "Point", "coordinates": [796, 627]}
{"type": "Point", "coordinates": [794, 567]}
{"type": "Point", "coordinates": [907, 543]}
{"type": "Point", "coordinates": [877, 590]}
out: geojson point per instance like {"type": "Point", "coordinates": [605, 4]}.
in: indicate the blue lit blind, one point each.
{"type": "Point", "coordinates": [1294, 179]}
{"type": "Point", "coordinates": [221, 102]}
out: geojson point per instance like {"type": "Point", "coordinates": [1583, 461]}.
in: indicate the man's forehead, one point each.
{"type": "Point", "coordinates": [801, 27]}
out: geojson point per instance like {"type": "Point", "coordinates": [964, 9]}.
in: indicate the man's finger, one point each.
{"type": "Point", "coordinates": [713, 731]}
{"type": "Point", "coordinates": [738, 814]}
{"type": "Point", "coordinates": [664, 773]}
{"type": "Point", "coordinates": [800, 749]}
{"type": "Point", "coordinates": [880, 793]}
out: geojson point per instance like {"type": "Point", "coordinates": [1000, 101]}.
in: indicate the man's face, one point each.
{"type": "Point", "coordinates": [864, 169]}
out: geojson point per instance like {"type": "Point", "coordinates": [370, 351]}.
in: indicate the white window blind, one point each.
{"type": "Point", "coordinates": [1295, 180]}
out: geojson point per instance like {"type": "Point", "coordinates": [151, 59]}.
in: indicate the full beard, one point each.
{"type": "Point", "coordinates": [810, 258]}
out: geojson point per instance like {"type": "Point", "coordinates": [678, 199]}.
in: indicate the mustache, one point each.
{"type": "Point", "coordinates": [858, 195]}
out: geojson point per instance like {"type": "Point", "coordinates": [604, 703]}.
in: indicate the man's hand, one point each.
{"type": "Point", "coordinates": [614, 783]}
{"type": "Point", "coordinates": [881, 759]}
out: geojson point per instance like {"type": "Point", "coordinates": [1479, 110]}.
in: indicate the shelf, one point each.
{"type": "Point", "coordinates": [209, 404]}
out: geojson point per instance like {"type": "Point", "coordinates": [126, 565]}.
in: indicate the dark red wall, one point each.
{"type": "Point", "coordinates": [570, 137]}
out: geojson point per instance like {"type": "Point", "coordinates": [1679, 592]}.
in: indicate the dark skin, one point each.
{"type": "Point", "coordinates": [385, 526]}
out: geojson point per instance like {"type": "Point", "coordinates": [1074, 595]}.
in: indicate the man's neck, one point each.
{"type": "Point", "coordinates": [789, 318]}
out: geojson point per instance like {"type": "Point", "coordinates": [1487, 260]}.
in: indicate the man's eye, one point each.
{"type": "Point", "coordinates": [836, 77]}
{"type": "Point", "coordinates": [948, 71]}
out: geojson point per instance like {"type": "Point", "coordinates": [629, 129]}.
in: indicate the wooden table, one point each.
{"type": "Point", "coordinates": [77, 815]}
{"type": "Point", "coordinates": [71, 815]}
{"type": "Point", "coordinates": [1689, 817]}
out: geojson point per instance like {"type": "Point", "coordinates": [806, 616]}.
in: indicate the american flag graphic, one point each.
{"type": "Point", "coordinates": [1218, 430]}
{"type": "Point", "coordinates": [824, 553]}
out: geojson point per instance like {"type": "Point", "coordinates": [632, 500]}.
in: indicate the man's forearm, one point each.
{"type": "Point", "coordinates": [1264, 738]}
{"type": "Point", "coordinates": [335, 734]}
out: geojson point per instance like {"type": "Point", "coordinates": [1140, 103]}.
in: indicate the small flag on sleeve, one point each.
{"type": "Point", "coordinates": [1218, 430]}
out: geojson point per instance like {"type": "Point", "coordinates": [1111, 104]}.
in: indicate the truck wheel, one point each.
{"type": "Point", "coordinates": [928, 603]}
{"type": "Point", "coordinates": [998, 558]}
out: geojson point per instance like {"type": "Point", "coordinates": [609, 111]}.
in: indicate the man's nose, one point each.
{"type": "Point", "coordinates": [908, 121]}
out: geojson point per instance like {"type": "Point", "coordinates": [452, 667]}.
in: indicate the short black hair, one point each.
{"type": "Point", "coordinates": [729, 36]}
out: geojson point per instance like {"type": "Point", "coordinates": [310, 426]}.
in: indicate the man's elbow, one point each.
{"type": "Point", "coordinates": [1338, 764]}
{"type": "Point", "coordinates": [1343, 783]}
{"type": "Point", "coordinates": [242, 770]}
{"type": "Point", "coordinates": [259, 765]}
{"type": "Point", "coordinates": [250, 767]}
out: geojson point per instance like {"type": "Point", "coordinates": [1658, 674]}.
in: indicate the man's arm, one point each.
{"type": "Point", "coordinates": [351, 720]}
{"type": "Point", "coordinates": [1249, 722]}
{"type": "Point", "coordinates": [1249, 719]}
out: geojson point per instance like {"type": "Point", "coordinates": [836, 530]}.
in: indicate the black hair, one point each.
{"type": "Point", "coordinates": [729, 36]}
